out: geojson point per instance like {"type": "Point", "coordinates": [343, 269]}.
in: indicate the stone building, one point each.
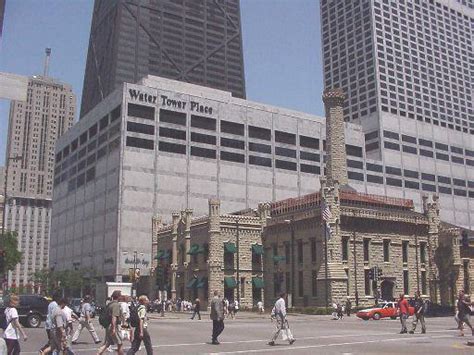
{"type": "Point", "coordinates": [223, 252]}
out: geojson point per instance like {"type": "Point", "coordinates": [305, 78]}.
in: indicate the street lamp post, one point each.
{"type": "Point", "coordinates": [238, 258]}
{"type": "Point", "coordinates": [5, 198]}
{"type": "Point", "coordinates": [290, 222]}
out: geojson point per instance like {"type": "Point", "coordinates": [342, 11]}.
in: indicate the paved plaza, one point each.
{"type": "Point", "coordinates": [176, 334]}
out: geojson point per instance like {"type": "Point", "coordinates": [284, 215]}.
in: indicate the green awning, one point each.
{"type": "Point", "coordinates": [192, 283]}
{"type": "Point", "coordinates": [201, 250]}
{"type": "Point", "coordinates": [194, 249]}
{"type": "Point", "coordinates": [230, 247]}
{"type": "Point", "coordinates": [257, 249]}
{"type": "Point", "coordinates": [201, 282]}
{"type": "Point", "coordinates": [229, 282]}
{"type": "Point", "coordinates": [257, 282]}
{"type": "Point", "coordinates": [162, 254]}
{"type": "Point", "coordinates": [278, 258]}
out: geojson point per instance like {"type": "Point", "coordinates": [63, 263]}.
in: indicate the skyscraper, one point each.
{"type": "Point", "coordinates": [400, 60]}
{"type": "Point", "coordinates": [34, 127]}
{"type": "Point", "coordinates": [197, 41]}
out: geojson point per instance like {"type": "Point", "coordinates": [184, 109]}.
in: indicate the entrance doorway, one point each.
{"type": "Point", "coordinates": [387, 290]}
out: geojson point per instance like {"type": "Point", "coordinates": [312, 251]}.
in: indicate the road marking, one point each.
{"type": "Point", "coordinates": [292, 348]}
{"type": "Point", "coordinates": [266, 340]}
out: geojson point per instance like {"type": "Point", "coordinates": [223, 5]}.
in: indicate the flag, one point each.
{"type": "Point", "coordinates": [327, 215]}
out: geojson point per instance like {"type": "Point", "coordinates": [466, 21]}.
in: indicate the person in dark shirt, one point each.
{"type": "Point", "coordinates": [464, 312]}
{"type": "Point", "coordinates": [197, 308]}
{"type": "Point", "coordinates": [419, 315]}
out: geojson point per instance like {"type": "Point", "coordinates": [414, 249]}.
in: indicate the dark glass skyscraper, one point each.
{"type": "Point", "coordinates": [196, 41]}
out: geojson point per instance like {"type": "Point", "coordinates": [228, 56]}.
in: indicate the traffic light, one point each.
{"type": "Point", "coordinates": [371, 274]}
{"type": "Point", "coordinates": [379, 273]}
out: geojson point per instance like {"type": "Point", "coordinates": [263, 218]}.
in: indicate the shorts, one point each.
{"type": "Point", "coordinates": [115, 339]}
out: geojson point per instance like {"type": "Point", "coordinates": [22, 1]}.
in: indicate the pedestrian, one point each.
{"type": "Point", "coordinates": [231, 309]}
{"type": "Point", "coordinates": [226, 307]}
{"type": "Point", "coordinates": [260, 307]}
{"type": "Point", "coordinates": [125, 329]}
{"type": "Point", "coordinates": [403, 312]}
{"type": "Point", "coordinates": [464, 312]}
{"type": "Point", "coordinates": [419, 314]}
{"type": "Point", "coordinates": [197, 309]}
{"type": "Point", "coordinates": [58, 329]}
{"type": "Point", "coordinates": [48, 324]}
{"type": "Point", "coordinates": [13, 329]}
{"type": "Point", "coordinates": [69, 318]}
{"type": "Point", "coordinates": [85, 322]}
{"type": "Point", "coordinates": [112, 332]}
{"type": "Point", "coordinates": [348, 306]}
{"type": "Point", "coordinates": [141, 330]}
{"type": "Point", "coordinates": [279, 312]}
{"type": "Point", "coordinates": [339, 311]}
{"type": "Point", "coordinates": [217, 316]}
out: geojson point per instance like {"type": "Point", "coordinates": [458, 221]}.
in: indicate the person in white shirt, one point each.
{"type": "Point", "coordinates": [85, 321]}
{"type": "Point", "coordinates": [279, 312]}
{"type": "Point", "coordinates": [260, 307]}
{"type": "Point", "coordinates": [14, 329]}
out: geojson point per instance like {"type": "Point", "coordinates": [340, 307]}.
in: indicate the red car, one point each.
{"type": "Point", "coordinates": [382, 310]}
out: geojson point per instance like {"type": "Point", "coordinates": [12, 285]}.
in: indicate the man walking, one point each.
{"type": "Point", "coordinates": [348, 306]}
{"type": "Point", "coordinates": [419, 314]}
{"type": "Point", "coordinates": [464, 312]}
{"type": "Point", "coordinates": [403, 311]}
{"type": "Point", "coordinates": [48, 324]}
{"type": "Point", "coordinates": [85, 322]}
{"type": "Point", "coordinates": [141, 332]}
{"type": "Point", "coordinates": [217, 316]}
{"type": "Point", "coordinates": [112, 332]}
{"type": "Point", "coordinates": [279, 311]}
{"type": "Point", "coordinates": [197, 309]}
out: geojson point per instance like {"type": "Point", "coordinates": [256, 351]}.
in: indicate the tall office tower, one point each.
{"type": "Point", "coordinates": [402, 59]}
{"type": "Point", "coordinates": [34, 127]}
{"type": "Point", "coordinates": [406, 68]}
{"type": "Point", "coordinates": [198, 42]}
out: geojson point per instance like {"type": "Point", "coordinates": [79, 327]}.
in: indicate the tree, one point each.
{"type": "Point", "coordinates": [11, 255]}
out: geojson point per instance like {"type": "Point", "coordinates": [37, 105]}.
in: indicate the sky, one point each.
{"type": "Point", "coordinates": [281, 42]}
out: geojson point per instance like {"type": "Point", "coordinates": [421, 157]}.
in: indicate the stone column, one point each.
{"type": "Point", "coordinates": [431, 211]}
{"type": "Point", "coordinates": [174, 261]}
{"type": "Point", "coordinates": [336, 166]}
{"type": "Point", "coordinates": [216, 250]}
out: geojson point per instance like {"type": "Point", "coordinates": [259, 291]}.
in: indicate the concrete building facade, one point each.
{"type": "Point", "coordinates": [34, 126]}
{"type": "Point", "coordinates": [192, 41]}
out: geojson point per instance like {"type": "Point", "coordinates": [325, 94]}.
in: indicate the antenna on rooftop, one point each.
{"type": "Point", "coordinates": [46, 62]}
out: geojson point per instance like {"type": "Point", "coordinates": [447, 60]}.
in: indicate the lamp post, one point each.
{"type": "Point", "coordinates": [290, 222]}
{"type": "Point", "coordinates": [237, 244]}
{"type": "Point", "coordinates": [5, 198]}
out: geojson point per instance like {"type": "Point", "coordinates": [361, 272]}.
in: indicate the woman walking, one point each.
{"type": "Point", "coordinates": [14, 329]}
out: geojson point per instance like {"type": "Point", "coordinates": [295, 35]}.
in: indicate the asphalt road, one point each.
{"type": "Point", "coordinates": [249, 333]}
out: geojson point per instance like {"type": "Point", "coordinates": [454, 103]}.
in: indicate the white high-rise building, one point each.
{"type": "Point", "coordinates": [406, 68]}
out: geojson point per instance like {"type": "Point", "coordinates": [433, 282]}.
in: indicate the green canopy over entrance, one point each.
{"type": "Point", "coordinates": [230, 247]}
{"type": "Point", "coordinates": [257, 249]}
{"type": "Point", "coordinates": [229, 282]}
{"type": "Point", "coordinates": [257, 282]}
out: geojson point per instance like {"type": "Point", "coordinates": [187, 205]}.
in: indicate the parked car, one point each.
{"type": "Point", "coordinates": [32, 310]}
{"type": "Point", "coordinates": [382, 310]}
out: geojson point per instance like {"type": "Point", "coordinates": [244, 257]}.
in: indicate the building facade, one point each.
{"type": "Point", "coordinates": [166, 145]}
{"type": "Point", "coordinates": [193, 41]}
{"type": "Point", "coordinates": [223, 252]}
{"type": "Point", "coordinates": [34, 127]}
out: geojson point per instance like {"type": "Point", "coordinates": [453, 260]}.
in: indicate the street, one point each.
{"type": "Point", "coordinates": [249, 333]}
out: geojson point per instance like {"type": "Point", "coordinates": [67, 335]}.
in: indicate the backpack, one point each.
{"type": "Point", "coordinates": [105, 317]}
{"type": "Point", "coordinates": [134, 318]}
{"type": "Point", "coordinates": [3, 321]}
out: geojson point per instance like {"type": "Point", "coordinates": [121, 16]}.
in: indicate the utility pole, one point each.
{"type": "Point", "coordinates": [355, 268]}
{"type": "Point", "coordinates": [237, 244]}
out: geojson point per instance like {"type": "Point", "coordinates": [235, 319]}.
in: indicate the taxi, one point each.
{"type": "Point", "coordinates": [382, 310]}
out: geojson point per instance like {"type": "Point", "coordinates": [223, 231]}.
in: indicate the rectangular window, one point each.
{"type": "Point", "coordinates": [300, 251]}
{"type": "Point", "coordinates": [412, 185]}
{"type": "Point", "coordinates": [445, 190]}
{"type": "Point", "coordinates": [260, 133]}
{"type": "Point", "coordinates": [353, 150]}
{"type": "Point", "coordinates": [423, 252]}
{"type": "Point", "coordinates": [345, 248]}
{"type": "Point", "coordinates": [140, 128]}
{"type": "Point", "coordinates": [355, 164]}
{"type": "Point", "coordinates": [375, 179]}
{"type": "Point", "coordinates": [234, 157]}
{"type": "Point", "coordinates": [386, 250]}
{"type": "Point", "coordinates": [406, 289]}
{"type": "Point", "coordinates": [389, 134]}
{"type": "Point", "coordinates": [374, 167]}
{"type": "Point", "coordinates": [425, 142]}
{"type": "Point", "coordinates": [428, 177]}
{"type": "Point", "coordinates": [428, 187]}
{"type": "Point", "coordinates": [203, 138]}
{"type": "Point", "coordinates": [311, 169]}
{"type": "Point", "coordinates": [172, 133]}
{"type": "Point", "coordinates": [203, 152]}
{"type": "Point", "coordinates": [367, 281]}
{"type": "Point", "coordinates": [393, 182]}
{"type": "Point", "coordinates": [423, 282]}
{"type": "Point", "coordinates": [355, 176]}
{"type": "Point", "coordinates": [232, 128]}
{"type": "Point", "coordinates": [141, 111]}
{"type": "Point", "coordinates": [261, 148]}
{"type": "Point", "coordinates": [392, 146]}
{"type": "Point", "coordinates": [300, 284]}
{"type": "Point", "coordinates": [203, 122]}
{"type": "Point", "coordinates": [393, 171]}
{"type": "Point", "coordinates": [285, 152]}
{"type": "Point", "coordinates": [405, 251]}
{"type": "Point", "coordinates": [172, 147]}
{"type": "Point", "coordinates": [366, 249]}
{"type": "Point", "coordinates": [442, 156]}
{"type": "Point", "coordinates": [287, 165]}
{"type": "Point", "coordinates": [408, 139]}
{"type": "Point", "coordinates": [232, 143]}
{"type": "Point", "coordinates": [173, 117]}
{"type": "Point", "coordinates": [140, 143]}
{"type": "Point", "coordinates": [309, 142]}
{"type": "Point", "coordinates": [260, 161]}
{"type": "Point", "coordinates": [116, 112]}
{"type": "Point", "coordinates": [104, 122]}
{"type": "Point", "coordinates": [92, 131]}
{"type": "Point", "coordinates": [310, 156]}
{"type": "Point", "coordinates": [284, 137]}
{"type": "Point", "coordinates": [313, 250]}
{"type": "Point", "coordinates": [314, 283]}
{"type": "Point", "coordinates": [410, 173]}
{"type": "Point", "coordinates": [408, 149]}
{"type": "Point", "coordinates": [426, 153]}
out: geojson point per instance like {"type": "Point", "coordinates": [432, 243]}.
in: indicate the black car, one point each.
{"type": "Point", "coordinates": [32, 310]}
